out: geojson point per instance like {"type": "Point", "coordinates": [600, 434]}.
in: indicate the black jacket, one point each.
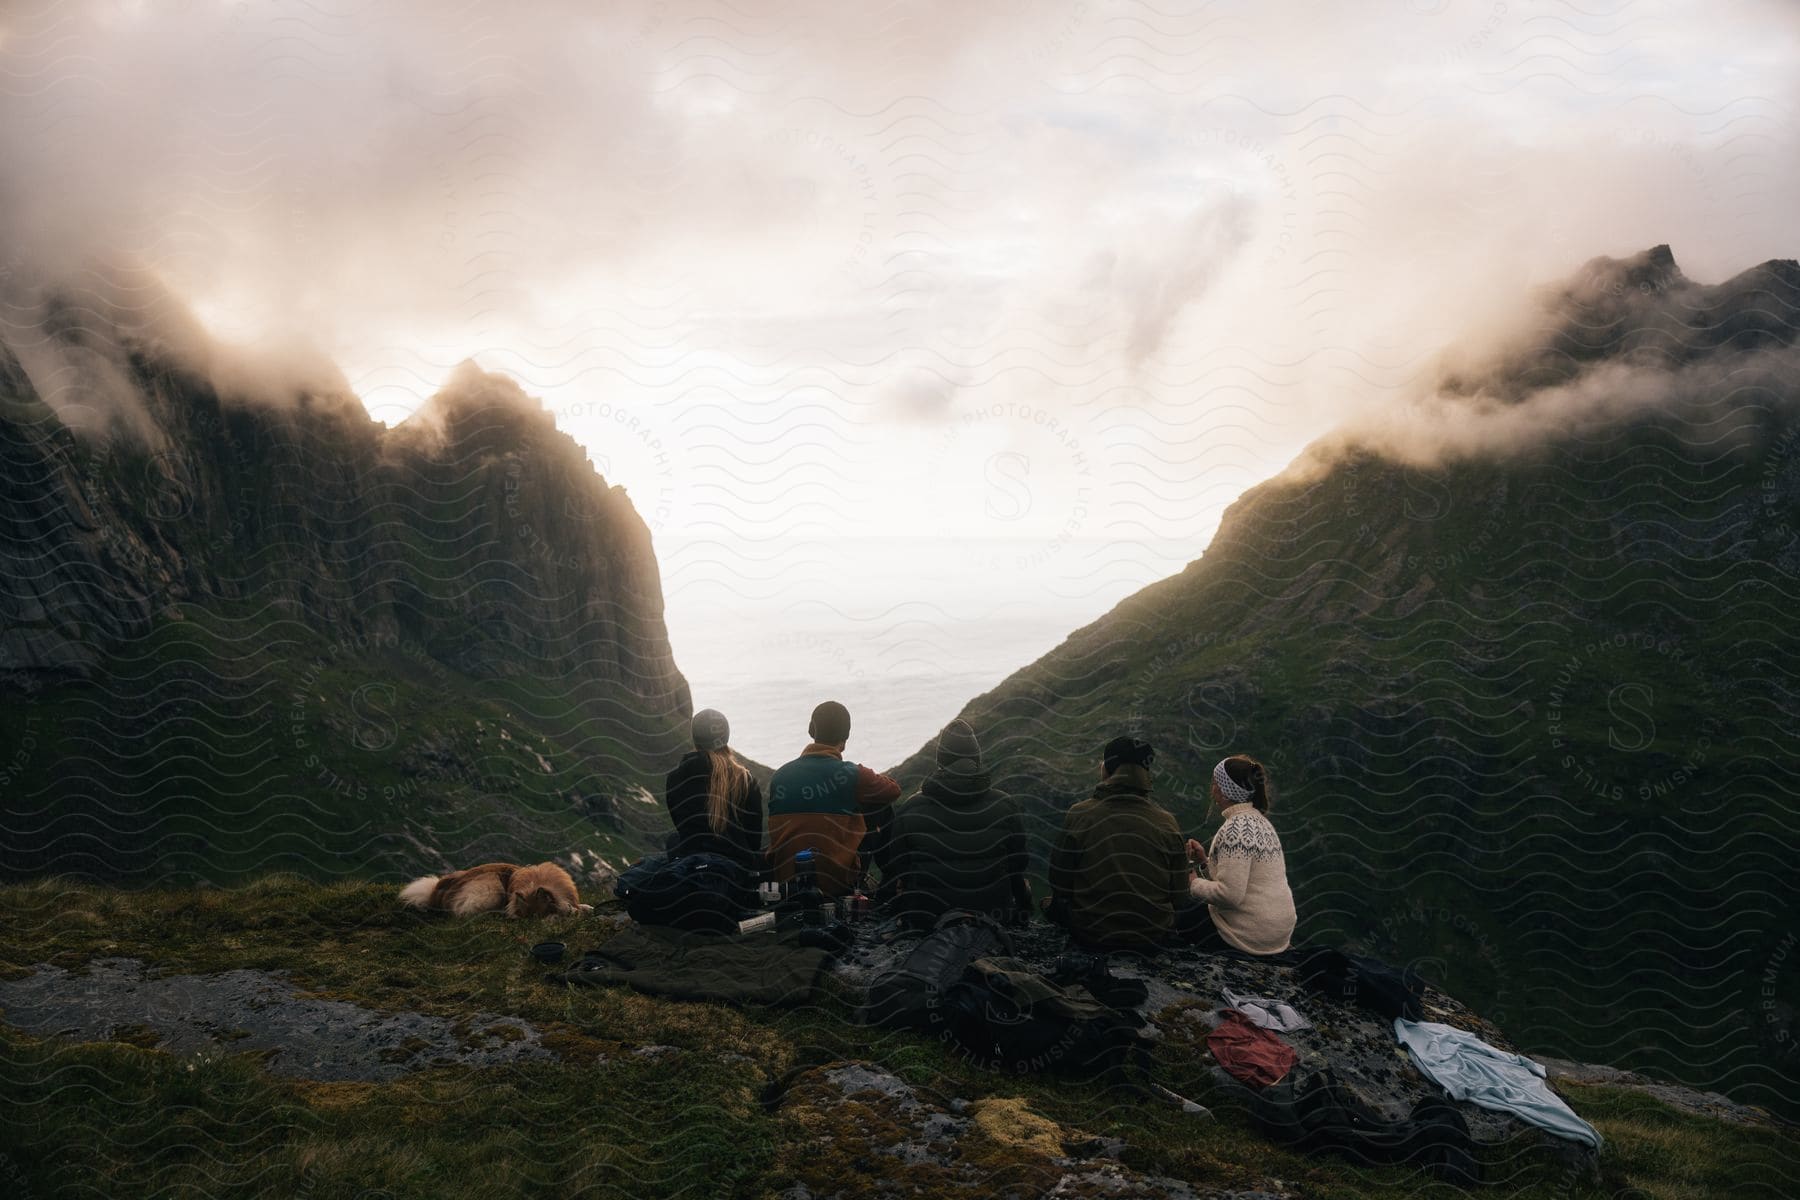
{"type": "Point", "coordinates": [685, 793]}
{"type": "Point", "coordinates": [958, 844]}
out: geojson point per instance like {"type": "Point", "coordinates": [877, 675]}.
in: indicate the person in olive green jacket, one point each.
{"type": "Point", "coordinates": [1119, 872]}
{"type": "Point", "coordinates": [957, 843]}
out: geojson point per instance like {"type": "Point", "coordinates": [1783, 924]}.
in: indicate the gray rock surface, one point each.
{"type": "Point", "coordinates": [259, 1011]}
{"type": "Point", "coordinates": [1705, 1104]}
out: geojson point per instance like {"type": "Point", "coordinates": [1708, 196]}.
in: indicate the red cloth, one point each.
{"type": "Point", "coordinates": [1251, 1054]}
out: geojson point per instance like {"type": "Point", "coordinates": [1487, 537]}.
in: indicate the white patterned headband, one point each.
{"type": "Point", "coordinates": [1233, 791]}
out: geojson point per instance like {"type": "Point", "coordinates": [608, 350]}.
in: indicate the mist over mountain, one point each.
{"type": "Point", "coordinates": [253, 628]}
{"type": "Point", "coordinates": [1521, 659]}
{"type": "Point", "coordinates": [1621, 340]}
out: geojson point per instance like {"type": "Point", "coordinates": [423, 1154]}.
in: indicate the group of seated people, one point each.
{"type": "Point", "coordinates": [1122, 878]}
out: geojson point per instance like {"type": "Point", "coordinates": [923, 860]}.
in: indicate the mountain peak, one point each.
{"type": "Point", "coordinates": [1651, 270]}
{"type": "Point", "coordinates": [480, 407]}
{"type": "Point", "coordinates": [472, 386]}
{"type": "Point", "coordinates": [1657, 258]}
{"type": "Point", "coordinates": [1639, 310]}
{"type": "Point", "coordinates": [1781, 275]}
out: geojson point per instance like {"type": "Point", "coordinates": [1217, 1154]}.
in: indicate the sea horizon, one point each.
{"type": "Point", "coordinates": [905, 662]}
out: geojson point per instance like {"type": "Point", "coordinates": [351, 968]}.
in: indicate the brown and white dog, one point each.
{"type": "Point", "coordinates": [541, 891]}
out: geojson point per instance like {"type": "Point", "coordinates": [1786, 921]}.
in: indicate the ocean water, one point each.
{"type": "Point", "coordinates": [904, 631]}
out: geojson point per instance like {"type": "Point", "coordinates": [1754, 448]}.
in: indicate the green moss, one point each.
{"type": "Point", "coordinates": [134, 1034]}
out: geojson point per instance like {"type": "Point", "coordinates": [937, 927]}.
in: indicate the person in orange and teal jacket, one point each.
{"type": "Point", "coordinates": [820, 802]}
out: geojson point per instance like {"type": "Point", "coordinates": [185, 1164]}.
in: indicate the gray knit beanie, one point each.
{"type": "Point", "coordinates": [711, 730]}
{"type": "Point", "coordinates": [957, 741]}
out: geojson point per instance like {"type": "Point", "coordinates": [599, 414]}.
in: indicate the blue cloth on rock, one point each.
{"type": "Point", "coordinates": [1467, 1068]}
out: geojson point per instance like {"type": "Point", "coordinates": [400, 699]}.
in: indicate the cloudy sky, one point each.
{"type": "Point", "coordinates": [990, 308]}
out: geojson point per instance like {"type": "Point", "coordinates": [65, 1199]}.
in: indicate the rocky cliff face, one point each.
{"type": "Point", "coordinates": [1528, 707]}
{"type": "Point", "coordinates": [329, 609]}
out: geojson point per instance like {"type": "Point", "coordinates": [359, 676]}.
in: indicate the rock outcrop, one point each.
{"type": "Point", "coordinates": [259, 628]}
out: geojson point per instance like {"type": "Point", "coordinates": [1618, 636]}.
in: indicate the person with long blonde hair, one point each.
{"type": "Point", "coordinates": [714, 801]}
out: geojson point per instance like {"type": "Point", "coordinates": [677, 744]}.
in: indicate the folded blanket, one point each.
{"type": "Point", "coordinates": [755, 968]}
{"type": "Point", "coordinates": [1467, 1068]}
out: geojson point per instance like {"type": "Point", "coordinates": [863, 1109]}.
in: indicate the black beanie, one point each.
{"type": "Point", "coordinates": [1126, 750]}
{"type": "Point", "coordinates": [957, 741]}
{"type": "Point", "coordinates": [711, 730]}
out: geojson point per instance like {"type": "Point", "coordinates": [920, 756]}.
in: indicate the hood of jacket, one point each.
{"type": "Point", "coordinates": [962, 781]}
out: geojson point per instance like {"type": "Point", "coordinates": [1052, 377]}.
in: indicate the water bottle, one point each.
{"type": "Point", "coordinates": [806, 887]}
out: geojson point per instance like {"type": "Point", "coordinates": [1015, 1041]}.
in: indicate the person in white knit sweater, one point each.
{"type": "Point", "coordinates": [1242, 879]}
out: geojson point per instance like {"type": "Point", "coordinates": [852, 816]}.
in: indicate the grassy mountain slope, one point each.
{"type": "Point", "coordinates": [1530, 713]}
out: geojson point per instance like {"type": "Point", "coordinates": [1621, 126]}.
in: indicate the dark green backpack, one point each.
{"type": "Point", "coordinates": [1320, 1113]}
{"type": "Point", "coordinates": [911, 995]}
{"type": "Point", "coordinates": [1007, 1017]}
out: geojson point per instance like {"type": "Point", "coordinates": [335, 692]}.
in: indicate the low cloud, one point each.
{"type": "Point", "coordinates": [74, 338]}
{"type": "Point", "coordinates": [1712, 402]}
{"type": "Point", "coordinates": [1619, 342]}
{"type": "Point", "coordinates": [1158, 281]}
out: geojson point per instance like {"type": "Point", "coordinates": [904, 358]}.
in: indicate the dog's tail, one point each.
{"type": "Point", "coordinates": [418, 892]}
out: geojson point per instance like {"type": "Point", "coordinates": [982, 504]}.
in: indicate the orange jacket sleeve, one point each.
{"type": "Point", "coordinates": [874, 790]}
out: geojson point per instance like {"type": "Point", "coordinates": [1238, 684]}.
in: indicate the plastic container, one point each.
{"type": "Point", "coordinates": [761, 923]}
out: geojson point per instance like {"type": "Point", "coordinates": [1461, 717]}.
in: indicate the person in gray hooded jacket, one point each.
{"type": "Point", "coordinates": [957, 843]}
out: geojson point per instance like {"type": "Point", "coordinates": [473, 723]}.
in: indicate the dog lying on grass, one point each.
{"type": "Point", "coordinates": [541, 891]}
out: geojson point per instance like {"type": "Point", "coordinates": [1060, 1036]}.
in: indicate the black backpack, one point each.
{"type": "Point", "coordinates": [1388, 991]}
{"type": "Point", "coordinates": [1090, 971]}
{"type": "Point", "coordinates": [1437, 1140]}
{"type": "Point", "coordinates": [697, 893]}
{"type": "Point", "coordinates": [1007, 1017]}
{"type": "Point", "coordinates": [1319, 1113]}
{"type": "Point", "coordinates": [911, 995]}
